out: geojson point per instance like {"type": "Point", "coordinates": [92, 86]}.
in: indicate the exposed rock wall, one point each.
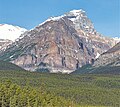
{"type": "Point", "coordinates": [111, 57]}
{"type": "Point", "coordinates": [61, 44]}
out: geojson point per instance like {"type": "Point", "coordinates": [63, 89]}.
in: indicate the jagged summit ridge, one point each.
{"type": "Point", "coordinates": [79, 19]}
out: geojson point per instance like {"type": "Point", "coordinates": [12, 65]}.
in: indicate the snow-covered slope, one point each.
{"type": "Point", "coordinates": [117, 39]}
{"type": "Point", "coordinates": [10, 32]}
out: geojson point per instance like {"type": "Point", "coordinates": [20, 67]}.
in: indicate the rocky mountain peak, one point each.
{"type": "Point", "coordinates": [60, 44]}
{"type": "Point", "coordinates": [75, 14]}
{"type": "Point", "coordinates": [80, 20]}
{"type": "Point", "coordinates": [54, 44]}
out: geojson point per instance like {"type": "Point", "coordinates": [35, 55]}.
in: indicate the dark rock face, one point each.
{"type": "Point", "coordinates": [58, 45]}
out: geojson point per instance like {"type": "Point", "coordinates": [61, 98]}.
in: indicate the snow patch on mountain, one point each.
{"type": "Point", "coordinates": [10, 32]}
{"type": "Point", "coordinates": [77, 12]}
{"type": "Point", "coordinates": [52, 19]}
{"type": "Point", "coordinates": [79, 19]}
{"type": "Point", "coordinates": [97, 56]}
{"type": "Point", "coordinates": [117, 39]}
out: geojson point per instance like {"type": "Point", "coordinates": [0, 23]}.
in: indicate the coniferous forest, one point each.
{"type": "Point", "coordinates": [59, 53]}
{"type": "Point", "coordinates": [35, 89]}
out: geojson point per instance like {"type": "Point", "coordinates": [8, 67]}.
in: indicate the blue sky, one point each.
{"type": "Point", "coordinates": [105, 14]}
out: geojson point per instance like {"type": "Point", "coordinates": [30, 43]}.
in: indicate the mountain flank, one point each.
{"type": "Point", "coordinates": [60, 44]}
{"type": "Point", "coordinates": [7, 66]}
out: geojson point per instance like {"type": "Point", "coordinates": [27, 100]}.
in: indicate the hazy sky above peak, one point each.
{"type": "Point", "coordinates": [105, 14]}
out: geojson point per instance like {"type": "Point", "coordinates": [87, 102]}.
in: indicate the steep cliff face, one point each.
{"type": "Point", "coordinates": [111, 57]}
{"type": "Point", "coordinates": [86, 31]}
{"type": "Point", "coordinates": [60, 44]}
{"type": "Point", "coordinates": [107, 63]}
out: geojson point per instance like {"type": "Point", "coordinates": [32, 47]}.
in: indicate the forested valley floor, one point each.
{"type": "Point", "coordinates": [35, 89]}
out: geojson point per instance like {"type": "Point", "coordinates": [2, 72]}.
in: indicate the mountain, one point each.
{"type": "Point", "coordinates": [117, 39]}
{"type": "Point", "coordinates": [7, 66]}
{"type": "Point", "coordinates": [10, 32]}
{"type": "Point", "coordinates": [60, 44]}
{"type": "Point", "coordinates": [111, 57]}
{"type": "Point", "coordinates": [4, 43]}
{"type": "Point", "coordinates": [107, 63]}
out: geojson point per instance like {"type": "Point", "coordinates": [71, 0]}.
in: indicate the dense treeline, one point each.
{"type": "Point", "coordinates": [109, 69]}
{"type": "Point", "coordinates": [94, 90]}
{"type": "Point", "coordinates": [13, 95]}
{"type": "Point", "coordinates": [9, 66]}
